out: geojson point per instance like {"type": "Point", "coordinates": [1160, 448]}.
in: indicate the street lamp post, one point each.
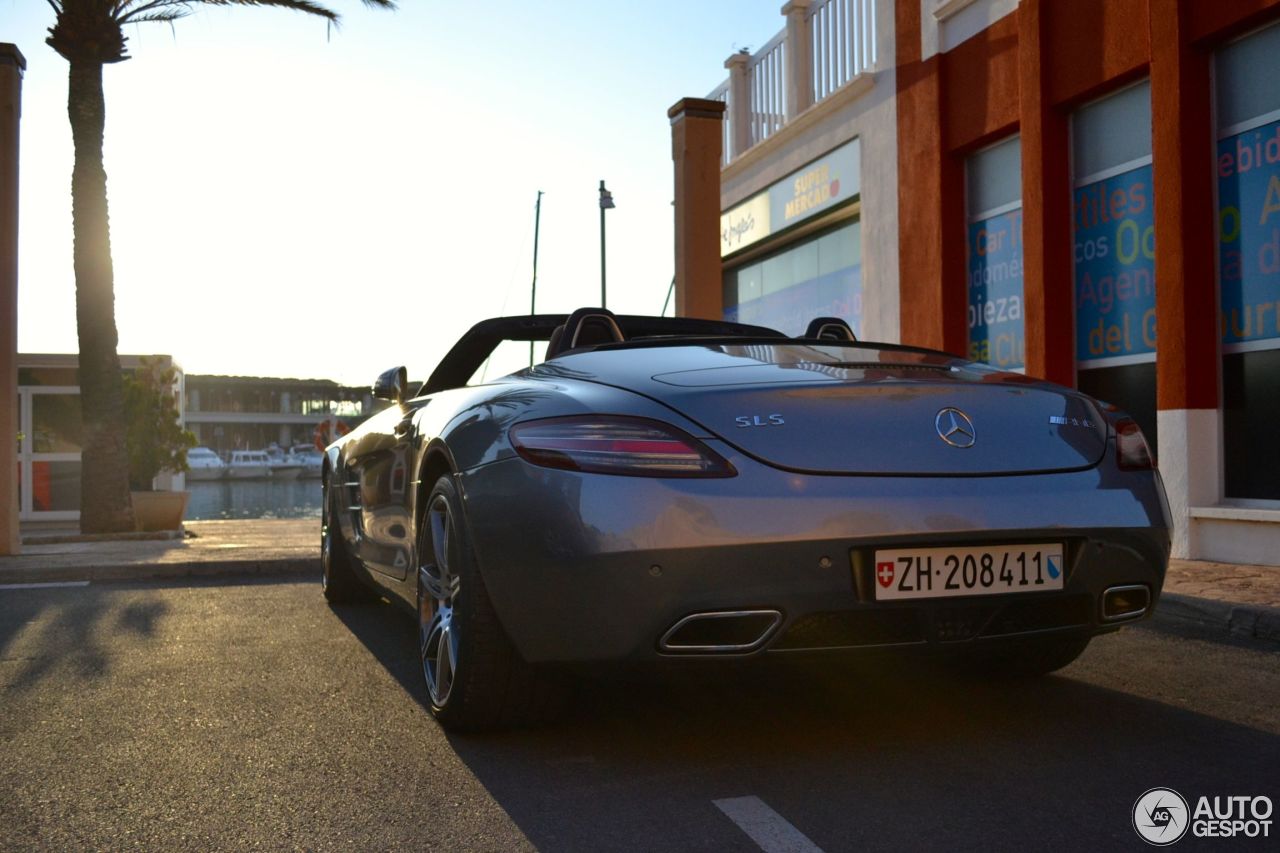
{"type": "Point", "coordinates": [606, 202]}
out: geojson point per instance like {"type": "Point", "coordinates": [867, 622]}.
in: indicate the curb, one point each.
{"type": "Point", "coordinates": [120, 572]}
{"type": "Point", "coordinates": [1222, 618]}
{"type": "Point", "coordinates": [67, 538]}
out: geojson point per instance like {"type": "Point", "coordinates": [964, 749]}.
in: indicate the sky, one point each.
{"type": "Point", "coordinates": [287, 201]}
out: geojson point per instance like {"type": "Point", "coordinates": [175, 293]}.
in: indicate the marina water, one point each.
{"type": "Point", "coordinates": [257, 498]}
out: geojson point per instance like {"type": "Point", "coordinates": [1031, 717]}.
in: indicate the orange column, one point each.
{"type": "Point", "coordinates": [696, 140]}
{"type": "Point", "coordinates": [1182, 154]}
{"type": "Point", "coordinates": [930, 200]}
{"type": "Point", "coordinates": [1048, 288]}
{"type": "Point", "coordinates": [11, 67]}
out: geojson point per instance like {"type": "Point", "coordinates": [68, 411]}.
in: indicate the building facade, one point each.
{"type": "Point", "coordinates": [50, 433]}
{"type": "Point", "coordinates": [224, 412]}
{"type": "Point", "coordinates": [1083, 190]}
{"type": "Point", "coordinates": [252, 412]}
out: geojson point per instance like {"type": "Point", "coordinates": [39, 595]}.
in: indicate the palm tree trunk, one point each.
{"type": "Point", "coordinates": [104, 472]}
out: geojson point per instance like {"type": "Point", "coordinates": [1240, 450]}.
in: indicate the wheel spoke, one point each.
{"type": "Point", "coordinates": [444, 664]}
{"type": "Point", "coordinates": [439, 655]}
{"type": "Point", "coordinates": [440, 538]}
{"type": "Point", "coordinates": [425, 624]}
{"type": "Point", "coordinates": [452, 647]}
{"type": "Point", "coordinates": [435, 587]}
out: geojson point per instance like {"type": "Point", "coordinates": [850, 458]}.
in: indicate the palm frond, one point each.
{"type": "Point", "coordinates": [138, 11]}
{"type": "Point", "coordinates": [129, 10]}
{"type": "Point", "coordinates": [165, 17]}
{"type": "Point", "coordinates": [305, 6]}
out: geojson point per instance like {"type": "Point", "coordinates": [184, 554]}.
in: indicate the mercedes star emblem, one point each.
{"type": "Point", "coordinates": [955, 428]}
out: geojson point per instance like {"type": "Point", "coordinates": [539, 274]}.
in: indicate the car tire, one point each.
{"type": "Point", "coordinates": [1027, 658]}
{"type": "Point", "coordinates": [338, 577]}
{"type": "Point", "coordinates": [475, 678]}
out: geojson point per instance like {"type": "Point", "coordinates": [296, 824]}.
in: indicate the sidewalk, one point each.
{"type": "Point", "coordinates": [1209, 599]}
{"type": "Point", "coordinates": [1242, 601]}
{"type": "Point", "coordinates": [253, 546]}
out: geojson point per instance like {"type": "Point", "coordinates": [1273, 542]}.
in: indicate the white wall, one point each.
{"type": "Point", "coordinates": [865, 108]}
{"type": "Point", "coordinates": [946, 23]}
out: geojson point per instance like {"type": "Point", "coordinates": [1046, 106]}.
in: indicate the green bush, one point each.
{"type": "Point", "coordinates": [156, 440]}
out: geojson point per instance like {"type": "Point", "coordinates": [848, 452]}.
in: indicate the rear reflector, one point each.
{"type": "Point", "coordinates": [635, 447]}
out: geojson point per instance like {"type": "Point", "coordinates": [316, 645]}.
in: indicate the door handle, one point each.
{"type": "Point", "coordinates": [403, 428]}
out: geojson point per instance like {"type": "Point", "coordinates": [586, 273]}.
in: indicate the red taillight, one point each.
{"type": "Point", "coordinates": [616, 445]}
{"type": "Point", "coordinates": [1132, 450]}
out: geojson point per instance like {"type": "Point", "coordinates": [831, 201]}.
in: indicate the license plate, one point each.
{"type": "Point", "coordinates": [944, 572]}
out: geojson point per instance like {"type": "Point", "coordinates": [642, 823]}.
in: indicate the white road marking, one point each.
{"type": "Point", "coordinates": [768, 829]}
{"type": "Point", "coordinates": [42, 585]}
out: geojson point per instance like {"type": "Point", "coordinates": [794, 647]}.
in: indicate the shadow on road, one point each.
{"type": "Point", "coordinates": [877, 750]}
{"type": "Point", "coordinates": [392, 636]}
{"type": "Point", "coordinates": [44, 632]}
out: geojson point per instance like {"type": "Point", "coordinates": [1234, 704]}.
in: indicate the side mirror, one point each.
{"type": "Point", "coordinates": [390, 385]}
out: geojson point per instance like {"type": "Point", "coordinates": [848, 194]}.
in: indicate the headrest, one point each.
{"type": "Point", "coordinates": [553, 345]}
{"type": "Point", "coordinates": [586, 327]}
{"type": "Point", "coordinates": [830, 329]}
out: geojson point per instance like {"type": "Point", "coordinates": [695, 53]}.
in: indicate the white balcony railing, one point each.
{"type": "Point", "coordinates": [825, 44]}
{"type": "Point", "coordinates": [766, 71]}
{"type": "Point", "coordinates": [721, 93]}
{"type": "Point", "coordinates": [844, 43]}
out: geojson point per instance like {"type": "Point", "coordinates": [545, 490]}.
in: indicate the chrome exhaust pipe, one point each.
{"type": "Point", "coordinates": [1125, 602]}
{"type": "Point", "coordinates": [721, 632]}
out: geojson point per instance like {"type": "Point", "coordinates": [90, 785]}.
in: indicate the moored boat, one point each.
{"type": "Point", "coordinates": [204, 464]}
{"type": "Point", "coordinates": [283, 466]}
{"type": "Point", "coordinates": [248, 464]}
{"type": "Point", "coordinates": [309, 458]}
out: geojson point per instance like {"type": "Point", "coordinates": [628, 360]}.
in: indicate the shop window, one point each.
{"type": "Point", "coordinates": [49, 443]}
{"type": "Point", "coordinates": [1247, 164]}
{"type": "Point", "coordinates": [993, 189]}
{"type": "Point", "coordinates": [55, 486]}
{"type": "Point", "coordinates": [55, 423]}
{"type": "Point", "coordinates": [784, 290]}
{"type": "Point", "coordinates": [1114, 244]}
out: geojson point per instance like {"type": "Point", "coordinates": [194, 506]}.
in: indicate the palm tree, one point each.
{"type": "Point", "coordinates": [90, 34]}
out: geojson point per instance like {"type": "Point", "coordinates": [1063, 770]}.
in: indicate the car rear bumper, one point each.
{"type": "Point", "coordinates": [584, 568]}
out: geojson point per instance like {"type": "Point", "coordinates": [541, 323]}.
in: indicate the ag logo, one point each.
{"type": "Point", "coordinates": [1160, 816]}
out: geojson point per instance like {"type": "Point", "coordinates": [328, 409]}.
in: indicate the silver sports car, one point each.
{"type": "Point", "coordinates": [664, 488]}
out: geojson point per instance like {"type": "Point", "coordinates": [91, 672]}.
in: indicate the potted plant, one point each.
{"type": "Point", "coordinates": [157, 443]}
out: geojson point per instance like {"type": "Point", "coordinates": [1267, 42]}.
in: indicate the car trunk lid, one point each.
{"type": "Point", "coordinates": [898, 414]}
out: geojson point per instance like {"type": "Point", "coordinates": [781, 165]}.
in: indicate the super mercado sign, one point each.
{"type": "Point", "coordinates": [831, 180]}
{"type": "Point", "coordinates": [1249, 230]}
{"type": "Point", "coordinates": [1115, 250]}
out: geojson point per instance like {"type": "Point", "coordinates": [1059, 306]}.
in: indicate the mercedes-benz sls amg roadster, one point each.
{"type": "Point", "coordinates": [662, 488]}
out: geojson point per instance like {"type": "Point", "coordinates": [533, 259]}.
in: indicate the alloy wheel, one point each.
{"type": "Point", "coordinates": [437, 590]}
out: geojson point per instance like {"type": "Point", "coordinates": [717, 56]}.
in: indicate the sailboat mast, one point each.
{"type": "Point", "coordinates": [533, 289]}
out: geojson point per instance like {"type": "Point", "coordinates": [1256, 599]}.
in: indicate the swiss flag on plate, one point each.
{"type": "Point", "coordinates": [884, 573]}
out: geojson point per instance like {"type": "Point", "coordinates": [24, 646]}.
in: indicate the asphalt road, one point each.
{"type": "Point", "coordinates": [250, 714]}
